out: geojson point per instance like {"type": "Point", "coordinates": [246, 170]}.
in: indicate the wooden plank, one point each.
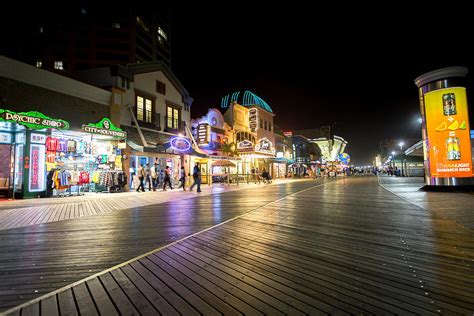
{"type": "Point", "coordinates": [196, 270]}
{"type": "Point", "coordinates": [66, 303]}
{"type": "Point", "coordinates": [172, 297]}
{"type": "Point", "coordinates": [84, 301]}
{"type": "Point", "coordinates": [49, 306]}
{"type": "Point", "coordinates": [191, 297]}
{"type": "Point", "coordinates": [31, 310]}
{"type": "Point", "coordinates": [118, 296]}
{"type": "Point", "coordinates": [158, 301]}
{"type": "Point", "coordinates": [103, 301]}
{"type": "Point", "coordinates": [139, 301]}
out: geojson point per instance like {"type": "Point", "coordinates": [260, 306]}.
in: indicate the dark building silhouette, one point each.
{"type": "Point", "coordinates": [70, 37]}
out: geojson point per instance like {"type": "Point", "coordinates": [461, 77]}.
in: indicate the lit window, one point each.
{"type": "Point", "coordinates": [172, 120]}
{"type": "Point", "coordinates": [160, 40]}
{"type": "Point", "coordinates": [58, 64]}
{"type": "Point", "coordinates": [162, 33]}
{"type": "Point", "coordinates": [148, 110]}
{"type": "Point", "coordinates": [140, 113]}
{"type": "Point", "coordinates": [83, 11]}
{"type": "Point", "coordinates": [41, 29]}
{"type": "Point", "coordinates": [116, 25]}
{"type": "Point", "coordinates": [39, 64]}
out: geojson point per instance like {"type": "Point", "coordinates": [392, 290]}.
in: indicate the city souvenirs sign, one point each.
{"type": "Point", "coordinates": [265, 146]}
{"type": "Point", "coordinates": [33, 119]}
{"type": "Point", "coordinates": [104, 127]}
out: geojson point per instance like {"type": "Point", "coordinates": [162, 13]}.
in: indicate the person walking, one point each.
{"type": "Point", "coordinates": [148, 176]}
{"type": "Point", "coordinates": [141, 177]}
{"type": "Point", "coordinates": [182, 178]}
{"type": "Point", "coordinates": [167, 178]}
{"type": "Point", "coordinates": [154, 175]}
{"type": "Point", "coordinates": [196, 178]}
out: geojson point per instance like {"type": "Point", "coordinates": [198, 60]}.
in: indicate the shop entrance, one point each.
{"type": "Point", "coordinates": [6, 165]}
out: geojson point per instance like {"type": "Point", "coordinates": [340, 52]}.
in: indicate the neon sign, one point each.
{"type": "Point", "coordinates": [33, 119]}
{"type": "Point", "coordinates": [245, 145]}
{"type": "Point", "coordinates": [104, 127]}
{"type": "Point", "coordinates": [265, 146]}
{"type": "Point", "coordinates": [253, 118]}
{"type": "Point", "coordinates": [204, 134]}
{"type": "Point", "coordinates": [180, 143]}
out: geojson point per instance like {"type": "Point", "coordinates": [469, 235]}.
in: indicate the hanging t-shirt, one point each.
{"type": "Point", "coordinates": [105, 159]}
{"type": "Point", "coordinates": [80, 147]}
{"type": "Point", "coordinates": [111, 158]}
{"type": "Point", "coordinates": [71, 146]}
{"type": "Point", "coordinates": [84, 178]}
{"type": "Point", "coordinates": [50, 156]}
{"type": "Point", "coordinates": [74, 176]}
{"type": "Point", "coordinates": [51, 143]}
{"type": "Point", "coordinates": [62, 145]}
{"type": "Point", "coordinates": [118, 162]}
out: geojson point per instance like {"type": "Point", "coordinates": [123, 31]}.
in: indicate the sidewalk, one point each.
{"type": "Point", "coordinates": [20, 213]}
{"type": "Point", "coordinates": [455, 206]}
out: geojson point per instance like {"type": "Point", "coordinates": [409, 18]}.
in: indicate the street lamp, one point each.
{"type": "Point", "coordinates": [401, 156]}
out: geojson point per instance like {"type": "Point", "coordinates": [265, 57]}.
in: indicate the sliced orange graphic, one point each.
{"type": "Point", "coordinates": [463, 125]}
{"type": "Point", "coordinates": [454, 126]}
{"type": "Point", "coordinates": [441, 127]}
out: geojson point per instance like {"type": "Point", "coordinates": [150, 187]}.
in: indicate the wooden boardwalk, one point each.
{"type": "Point", "coordinates": [347, 247]}
{"type": "Point", "coordinates": [23, 213]}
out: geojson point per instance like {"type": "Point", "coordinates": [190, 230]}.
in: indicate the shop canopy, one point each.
{"type": "Point", "coordinates": [223, 163]}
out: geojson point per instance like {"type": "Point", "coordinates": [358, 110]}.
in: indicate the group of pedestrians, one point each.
{"type": "Point", "coordinates": [154, 178]}
{"type": "Point", "coordinates": [265, 176]}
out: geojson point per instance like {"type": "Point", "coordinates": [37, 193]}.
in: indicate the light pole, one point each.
{"type": "Point", "coordinates": [401, 156]}
{"type": "Point", "coordinates": [392, 163]}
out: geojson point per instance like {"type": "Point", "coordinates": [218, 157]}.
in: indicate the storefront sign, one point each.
{"type": "Point", "coordinates": [5, 138]}
{"type": "Point", "coordinates": [38, 138]}
{"type": "Point", "coordinates": [447, 126]}
{"type": "Point", "coordinates": [279, 154]}
{"type": "Point", "coordinates": [245, 145]}
{"type": "Point", "coordinates": [37, 168]}
{"type": "Point", "coordinates": [180, 143]}
{"type": "Point", "coordinates": [33, 120]}
{"type": "Point", "coordinates": [104, 127]}
{"type": "Point", "coordinates": [253, 119]}
{"type": "Point", "coordinates": [204, 134]}
{"type": "Point", "coordinates": [265, 146]}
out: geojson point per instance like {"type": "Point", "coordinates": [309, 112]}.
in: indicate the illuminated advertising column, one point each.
{"type": "Point", "coordinates": [446, 132]}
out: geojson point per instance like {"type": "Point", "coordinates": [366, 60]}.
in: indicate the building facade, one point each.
{"type": "Point", "coordinates": [56, 135]}
{"type": "Point", "coordinates": [78, 37]}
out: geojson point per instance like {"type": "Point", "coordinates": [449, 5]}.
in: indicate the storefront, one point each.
{"type": "Point", "coordinates": [48, 159]}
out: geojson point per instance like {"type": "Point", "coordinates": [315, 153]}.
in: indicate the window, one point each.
{"type": "Point", "coordinates": [140, 108]}
{"type": "Point", "coordinates": [144, 109]}
{"type": "Point", "coordinates": [270, 126]}
{"type": "Point", "coordinates": [265, 125]}
{"type": "Point", "coordinates": [142, 24]}
{"type": "Point", "coordinates": [160, 87]}
{"type": "Point", "coordinates": [172, 118]}
{"type": "Point", "coordinates": [41, 29]}
{"type": "Point", "coordinates": [39, 64]}
{"type": "Point", "coordinates": [83, 11]}
{"type": "Point", "coordinates": [162, 33]}
{"type": "Point", "coordinates": [58, 64]}
{"type": "Point", "coordinates": [261, 124]}
{"type": "Point", "coordinates": [149, 110]}
{"type": "Point", "coordinates": [116, 25]}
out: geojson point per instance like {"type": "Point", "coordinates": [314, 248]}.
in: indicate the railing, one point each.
{"type": "Point", "coordinates": [154, 123]}
{"type": "Point", "coordinates": [172, 124]}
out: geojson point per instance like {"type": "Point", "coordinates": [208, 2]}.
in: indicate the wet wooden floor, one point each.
{"type": "Point", "coordinates": [346, 247]}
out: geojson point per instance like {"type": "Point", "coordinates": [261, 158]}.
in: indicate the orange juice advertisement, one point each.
{"type": "Point", "coordinates": [449, 140]}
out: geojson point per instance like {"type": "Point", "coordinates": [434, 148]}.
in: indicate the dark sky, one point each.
{"type": "Point", "coordinates": [352, 68]}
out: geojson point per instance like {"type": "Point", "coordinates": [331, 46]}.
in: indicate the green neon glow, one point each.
{"type": "Point", "coordinates": [100, 124]}
{"type": "Point", "coordinates": [43, 121]}
{"type": "Point", "coordinates": [248, 99]}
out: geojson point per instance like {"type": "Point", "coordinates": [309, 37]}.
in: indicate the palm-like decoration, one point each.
{"type": "Point", "coordinates": [230, 150]}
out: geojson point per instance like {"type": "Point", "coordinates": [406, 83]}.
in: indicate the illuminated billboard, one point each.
{"type": "Point", "coordinates": [447, 126]}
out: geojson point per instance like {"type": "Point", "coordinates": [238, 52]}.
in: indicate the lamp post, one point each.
{"type": "Point", "coordinates": [401, 157]}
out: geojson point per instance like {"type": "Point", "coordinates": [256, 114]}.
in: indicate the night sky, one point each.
{"type": "Point", "coordinates": [348, 66]}
{"type": "Point", "coordinates": [351, 70]}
